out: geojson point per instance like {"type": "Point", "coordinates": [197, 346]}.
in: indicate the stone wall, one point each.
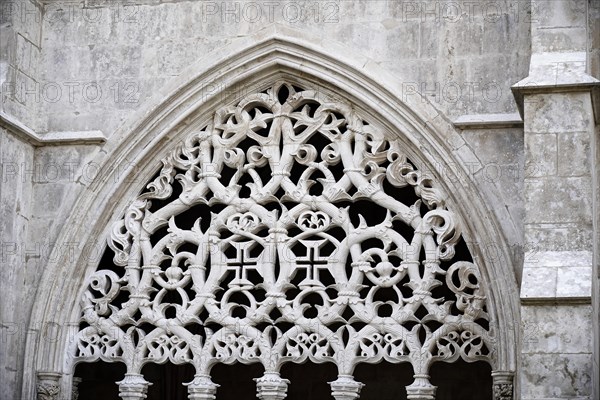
{"type": "Point", "coordinates": [18, 283]}
{"type": "Point", "coordinates": [463, 57]}
{"type": "Point", "coordinates": [20, 60]}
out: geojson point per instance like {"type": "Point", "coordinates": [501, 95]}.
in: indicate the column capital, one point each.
{"type": "Point", "coordinates": [503, 385]}
{"type": "Point", "coordinates": [271, 386]}
{"type": "Point", "coordinates": [48, 385]}
{"type": "Point", "coordinates": [133, 387]}
{"type": "Point", "coordinates": [346, 388]}
{"type": "Point", "coordinates": [421, 389]}
{"type": "Point", "coordinates": [202, 388]}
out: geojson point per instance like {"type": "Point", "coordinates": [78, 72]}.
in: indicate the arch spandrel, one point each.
{"type": "Point", "coordinates": [185, 117]}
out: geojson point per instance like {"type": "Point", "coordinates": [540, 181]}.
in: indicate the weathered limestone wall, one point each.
{"type": "Point", "coordinates": [20, 50]}
{"type": "Point", "coordinates": [596, 270]}
{"type": "Point", "coordinates": [594, 57]}
{"type": "Point", "coordinates": [18, 283]}
{"type": "Point", "coordinates": [556, 292]}
{"type": "Point", "coordinates": [463, 57]}
{"type": "Point", "coordinates": [20, 39]}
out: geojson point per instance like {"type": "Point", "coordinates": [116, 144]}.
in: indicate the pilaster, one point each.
{"type": "Point", "coordinates": [558, 101]}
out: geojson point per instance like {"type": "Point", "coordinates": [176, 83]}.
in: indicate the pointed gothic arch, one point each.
{"type": "Point", "coordinates": [421, 136]}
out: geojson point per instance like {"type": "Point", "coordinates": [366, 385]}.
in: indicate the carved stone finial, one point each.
{"type": "Point", "coordinates": [503, 385]}
{"type": "Point", "coordinates": [48, 387]}
{"type": "Point", "coordinates": [271, 386]}
{"type": "Point", "coordinates": [421, 389]}
{"type": "Point", "coordinates": [202, 388]}
{"type": "Point", "coordinates": [133, 387]}
{"type": "Point", "coordinates": [346, 388]}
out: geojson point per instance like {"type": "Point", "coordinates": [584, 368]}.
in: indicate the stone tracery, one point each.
{"type": "Point", "coordinates": [278, 264]}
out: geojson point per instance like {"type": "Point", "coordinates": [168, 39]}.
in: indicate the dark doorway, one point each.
{"type": "Point", "coordinates": [462, 381]}
{"type": "Point", "coordinates": [98, 380]}
{"type": "Point", "coordinates": [384, 381]}
{"type": "Point", "coordinates": [236, 380]}
{"type": "Point", "coordinates": [309, 381]}
{"type": "Point", "coordinates": [167, 381]}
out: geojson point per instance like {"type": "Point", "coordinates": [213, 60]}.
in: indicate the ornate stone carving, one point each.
{"type": "Point", "coordinates": [133, 387]}
{"type": "Point", "coordinates": [346, 388]}
{"type": "Point", "coordinates": [503, 391]}
{"type": "Point", "coordinates": [421, 389]}
{"type": "Point", "coordinates": [202, 388]}
{"type": "Point", "coordinates": [287, 229]}
{"type": "Point", "coordinates": [271, 386]}
{"type": "Point", "coordinates": [503, 385]}
{"type": "Point", "coordinates": [48, 387]}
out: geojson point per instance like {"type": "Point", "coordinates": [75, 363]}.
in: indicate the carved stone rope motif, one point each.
{"type": "Point", "coordinates": [287, 229]}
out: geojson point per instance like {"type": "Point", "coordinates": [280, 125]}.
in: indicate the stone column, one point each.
{"type": "Point", "coordinates": [75, 388]}
{"type": "Point", "coordinates": [421, 389]}
{"type": "Point", "coordinates": [346, 388]}
{"type": "Point", "coordinates": [202, 388]}
{"type": "Point", "coordinates": [503, 385]}
{"type": "Point", "coordinates": [133, 387]}
{"type": "Point", "coordinates": [48, 385]}
{"type": "Point", "coordinates": [271, 386]}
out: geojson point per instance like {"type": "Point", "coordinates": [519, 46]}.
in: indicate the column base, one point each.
{"type": "Point", "coordinates": [346, 388]}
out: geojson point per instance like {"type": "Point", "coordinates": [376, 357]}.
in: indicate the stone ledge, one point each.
{"type": "Point", "coordinates": [487, 121]}
{"type": "Point", "coordinates": [51, 138]}
{"type": "Point", "coordinates": [558, 73]}
{"type": "Point", "coordinates": [557, 277]}
{"type": "Point", "coordinates": [555, 301]}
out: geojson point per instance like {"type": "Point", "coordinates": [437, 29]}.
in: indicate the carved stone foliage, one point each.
{"type": "Point", "coordinates": [48, 387]}
{"type": "Point", "coordinates": [289, 228]}
{"type": "Point", "coordinates": [47, 391]}
{"type": "Point", "coordinates": [503, 391]}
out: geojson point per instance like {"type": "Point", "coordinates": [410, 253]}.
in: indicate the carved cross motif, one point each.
{"type": "Point", "coordinates": [312, 262]}
{"type": "Point", "coordinates": [241, 263]}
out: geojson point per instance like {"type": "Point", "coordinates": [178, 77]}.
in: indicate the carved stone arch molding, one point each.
{"type": "Point", "coordinates": [277, 140]}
